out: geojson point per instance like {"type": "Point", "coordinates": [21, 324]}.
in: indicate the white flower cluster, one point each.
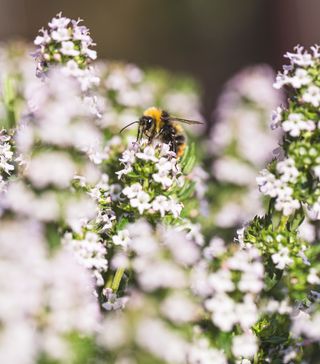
{"type": "Point", "coordinates": [299, 60]}
{"type": "Point", "coordinates": [166, 174]}
{"type": "Point", "coordinates": [112, 301]}
{"type": "Point", "coordinates": [6, 158]}
{"type": "Point", "coordinates": [282, 258]}
{"type": "Point", "coordinates": [245, 346]}
{"type": "Point", "coordinates": [314, 210]}
{"type": "Point", "coordinates": [60, 127]}
{"type": "Point", "coordinates": [201, 353]}
{"type": "Point", "coordinates": [296, 123]}
{"type": "Point", "coordinates": [153, 270]}
{"type": "Point", "coordinates": [90, 252]}
{"type": "Point", "coordinates": [225, 311]}
{"type": "Point", "coordinates": [159, 261]}
{"type": "Point", "coordinates": [58, 122]}
{"type": "Point", "coordinates": [299, 75]}
{"type": "Point", "coordinates": [307, 325]}
{"type": "Point", "coordinates": [164, 343]}
{"type": "Point", "coordinates": [242, 115]}
{"type": "Point", "coordinates": [141, 201]}
{"type": "Point", "coordinates": [217, 288]}
{"type": "Point", "coordinates": [43, 298]}
{"type": "Point", "coordinates": [66, 42]}
{"type": "Point", "coordinates": [130, 93]}
{"type": "Point", "coordinates": [59, 116]}
{"type": "Point", "coordinates": [278, 187]}
{"type": "Point", "coordinates": [16, 76]}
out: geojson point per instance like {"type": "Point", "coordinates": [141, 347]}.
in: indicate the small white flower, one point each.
{"type": "Point", "coordinates": [44, 39]}
{"type": "Point", "coordinates": [313, 276]}
{"type": "Point", "coordinates": [221, 281]}
{"type": "Point", "coordinates": [314, 211]}
{"type": "Point", "coordinates": [288, 170]}
{"type": "Point", "coordinates": [61, 34]}
{"type": "Point", "coordinates": [316, 170]}
{"type": "Point", "coordinates": [267, 183]}
{"type": "Point", "coordinates": [72, 68]}
{"type": "Point", "coordinates": [125, 170]}
{"type": "Point", "coordinates": [148, 154]}
{"type": "Point", "coordinates": [300, 78]}
{"type": "Point", "coordinates": [163, 178]}
{"type": "Point", "coordinates": [281, 80]}
{"type": "Point", "coordinates": [296, 123]}
{"type": "Point", "coordinates": [165, 151]}
{"type": "Point", "coordinates": [302, 58]}
{"type": "Point", "coordinates": [250, 282]}
{"type": "Point", "coordinates": [106, 218]}
{"type": "Point", "coordinates": [287, 204]}
{"type": "Point", "coordinates": [312, 95]}
{"type": "Point", "coordinates": [141, 201]}
{"type": "Point", "coordinates": [92, 54]}
{"type": "Point", "coordinates": [282, 259]}
{"type": "Point", "coordinates": [68, 49]}
{"type": "Point", "coordinates": [223, 311]}
{"type": "Point", "coordinates": [122, 238]}
{"type": "Point", "coordinates": [164, 165]}
{"type": "Point", "coordinates": [59, 22]}
{"type": "Point", "coordinates": [276, 118]}
{"type": "Point", "coordinates": [247, 312]}
{"type": "Point", "coordinates": [215, 248]}
{"type": "Point", "coordinates": [244, 345]}
{"type": "Point", "coordinates": [112, 301]}
{"type": "Point", "coordinates": [203, 353]}
{"type": "Point", "coordinates": [55, 168]}
{"type": "Point", "coordinates": [128, 156]}
{"type": "Point", "coordinates": [132, 191]}
{"type": "Point", "coordinates": [160, 203]}
{"type": "Point", "coordinates": [174, 207]}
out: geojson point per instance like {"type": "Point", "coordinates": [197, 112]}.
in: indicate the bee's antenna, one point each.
{"type": "Point", "coordinates": [127, 126]}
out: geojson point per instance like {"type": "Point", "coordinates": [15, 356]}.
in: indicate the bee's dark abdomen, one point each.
{"type": "Point", "coordinates": [180, 139]}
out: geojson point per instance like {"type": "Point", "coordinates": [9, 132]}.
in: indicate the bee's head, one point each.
{"type": "Point", "coordinates": [146, 122]}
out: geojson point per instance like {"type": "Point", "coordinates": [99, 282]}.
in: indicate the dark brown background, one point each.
{"type": "Point", "coordinates": [210, 39]}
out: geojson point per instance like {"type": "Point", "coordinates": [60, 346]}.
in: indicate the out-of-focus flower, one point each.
{"type": "Point", "coordinates": [240, 144]}
{"type": "Point", "coordinates": [65, 42]}
{"type": "Point", "coordinates": [43, 298]}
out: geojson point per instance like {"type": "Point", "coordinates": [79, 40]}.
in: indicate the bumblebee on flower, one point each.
{"type": "Point", "coordinates": [159, 124]}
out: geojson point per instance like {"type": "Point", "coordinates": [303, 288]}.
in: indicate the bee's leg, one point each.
{"type": "Point", "coordinates": [139, 135]}
{"type": "Point", "coordinates": [151, 137]}
{"type": "Point", "coordinates": [173, 145]}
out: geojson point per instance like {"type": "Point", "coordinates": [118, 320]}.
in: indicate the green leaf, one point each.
{"type": "Point", "coordinates": [9, 103]}
{"type": "Point", "coordinates": [187, 190]}
{"type": "Point", "coordinates": [189, 159]}
{"type": "Point", "coordinates": [275, 340]}
{"type": "Point", "coordinates": [122, 223]}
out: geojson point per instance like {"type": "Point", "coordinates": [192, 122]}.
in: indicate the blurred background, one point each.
{"type": "Point", "coordinates": [208, 39]}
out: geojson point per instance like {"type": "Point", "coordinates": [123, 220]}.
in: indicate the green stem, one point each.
{"type": "Point", "coordinates": [283, 222]}
{"type": "Point", "coordinates": [117, 279]}
{"type": "Point", "coordinates": [9, 102]}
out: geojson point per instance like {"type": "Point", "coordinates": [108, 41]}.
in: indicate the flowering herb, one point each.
{"type": "Point", "coordinates": [102, 252]}
{"type": "Point", "coordinates": [292, 186]}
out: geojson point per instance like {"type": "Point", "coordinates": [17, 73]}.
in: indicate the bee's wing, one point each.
{"type": "Point", "coordinates": [185, 121]}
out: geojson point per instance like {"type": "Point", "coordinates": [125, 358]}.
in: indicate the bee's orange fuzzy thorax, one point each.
{"type": "Point", "coordinates": [155, 113]}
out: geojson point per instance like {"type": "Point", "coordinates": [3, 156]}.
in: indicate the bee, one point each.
{"type": "Point", "coordinates": [159, 124]}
